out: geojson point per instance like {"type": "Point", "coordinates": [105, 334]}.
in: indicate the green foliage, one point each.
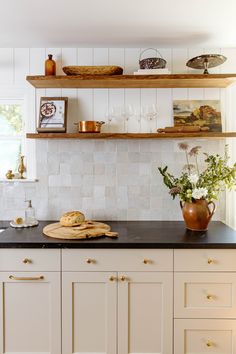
{"type": "Point", "coordinates": [216, 177]}
{"type": "Point", "coordinates": [13, 114]}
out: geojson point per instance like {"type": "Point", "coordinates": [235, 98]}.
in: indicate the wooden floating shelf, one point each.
{"type": "Point", "coordinates": [128, 135]}
{"type": "Point", "coordinates": [134, 81]}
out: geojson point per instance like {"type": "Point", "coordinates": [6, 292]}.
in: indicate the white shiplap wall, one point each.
{"type": "Point", "coordinates": [115, 180]}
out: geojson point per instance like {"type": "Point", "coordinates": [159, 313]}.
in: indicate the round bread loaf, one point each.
{"type": "Point", "coordinates": [72, 218]}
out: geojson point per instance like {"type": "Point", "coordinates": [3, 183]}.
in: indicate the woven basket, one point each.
{"type": "Point", "coordinates": [93, 70]}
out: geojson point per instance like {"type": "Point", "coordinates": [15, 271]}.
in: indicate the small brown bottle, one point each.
{"type": "Point", "coordinates": [50, 66]}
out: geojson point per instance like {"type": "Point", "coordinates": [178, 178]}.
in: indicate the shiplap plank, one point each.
{"type": "Point", "coordinates": [85, 56]}
{"type": "Point", "coordinates": [132, 100]}
{"type": "Point", "coordinates": [85, 96]}
{"type": "Point", "coordinates": [37, 60]}
{"type": "Point", "coordinates": [164, 106]}
{"type": "Point", "coordinates": [100, 56]}
{"type": "Point", "coordinates": [72, 113]}
{"type": "Point", "coordinates": [180, 58]}
{"type": "Point", "coordinates": [6, 66]}
{"type": "Point", "coordinates": [69, 56]}
{"type": "Point", "coordinates": [116, 56]}
{"type": "Point", "coordinates": [131, 60]}
{"type": "Point", "coordinates": [148, 98]}
{"type": "Point", "coordinates": [21, 65]}
{"type": "Point", "coordinates": [116, 101]}
{"type": "Point", "coordinates": [229, 65]}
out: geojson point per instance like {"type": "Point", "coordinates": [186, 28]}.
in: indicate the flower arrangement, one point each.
{"type": "Point", "coordinates": [194, 185]}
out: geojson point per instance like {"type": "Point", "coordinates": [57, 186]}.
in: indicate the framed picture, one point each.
{"type": "Point", "coordinates": [52, 114]}
{"type": "Point", "coordinates": [203, 113]}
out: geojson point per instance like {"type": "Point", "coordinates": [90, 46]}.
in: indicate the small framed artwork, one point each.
{"type": "Point", "coordinates": [203, 113]}
{"type": "Point", "coordinates": [52, 114]}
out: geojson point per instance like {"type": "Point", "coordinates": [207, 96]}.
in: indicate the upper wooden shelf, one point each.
{"type": "Point", "coordinates": [134, 81]}
{"type": "Point", "coordinates": [128, 135]}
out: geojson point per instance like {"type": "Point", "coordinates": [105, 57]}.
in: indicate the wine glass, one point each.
{"type": "Point", "coordinates": [149, 112]}
{"type": "Point", "coordinates": [112, 113]}
{"type": "Point", "coordinates": [127, 112]}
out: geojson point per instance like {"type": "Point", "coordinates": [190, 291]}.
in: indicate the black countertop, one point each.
{"type": "Point", "coordinates": [132, 234]}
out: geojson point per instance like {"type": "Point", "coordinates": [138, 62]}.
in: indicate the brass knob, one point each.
{"type": "Point", "coordinates": [146, 261]}
{"type": "Point", "coordinates": [210, 261]}
{"type": "Point", "coordinates": [89, 261]}
{"type": "Point", "coordinates": [27, 261]}
{"type": "Point", "coordinates": [209, 343]}
{"type": "Point", "coordinates": [123, 278]}
{"type": "Point", "coordinates": [112, 278]}
{"type": "Point", "coordinates": [209, 297]}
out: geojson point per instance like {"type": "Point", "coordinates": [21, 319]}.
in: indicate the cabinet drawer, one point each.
{"type": "Point", "coordinates": [205, 295]}
{"type": "Point", "coordinates": [29, 260]}
{"type": "Point", "coordinates": [205, 336]}
{"type": "Point", "coordinates": [206, 260]}
{"type": "Point", "coordinates": [117, 260]}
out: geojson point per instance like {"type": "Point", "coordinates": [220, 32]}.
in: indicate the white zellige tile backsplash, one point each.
{"type": "Point", "coordinates": [112, 180]}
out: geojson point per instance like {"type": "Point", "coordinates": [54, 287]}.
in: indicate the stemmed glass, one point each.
{"type": "Point", "coordinates": [127, 111]}
{"type": "Point", "coordinates": [149, 112]}
{"type": "Point", "coordinates": [112, 113]}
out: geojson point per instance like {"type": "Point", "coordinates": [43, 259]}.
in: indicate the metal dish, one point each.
{"type": "Point", "coordinates": [89, 126]}
{"type": "Point", "coordinates": [152, 63]}
{"type": "Point", "coordinates": [206, 61]}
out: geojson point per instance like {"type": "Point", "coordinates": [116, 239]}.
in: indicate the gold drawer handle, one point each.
{"type": "Point", "coordinates": [147, 261]}
{"type": "Point", "coordinates": [12, 277]}
{"type": "Point", "coordinates": [27, 261]}
{"type": "Point", "coordinates": [123, 278]}
{"type": "Point", "coordinates": [89, 261]}
{"type": "Point", "coordinates": [209, 343]}
{"type": "Point", "coordinates": [112, 278]}
{"type": "Point", "coordinates": [209, 297]}
{"type": "Point", "coordinates": [210, 261]}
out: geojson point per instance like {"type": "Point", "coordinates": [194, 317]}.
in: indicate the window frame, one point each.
{"type": "Point", "coordinates": [27, 97]}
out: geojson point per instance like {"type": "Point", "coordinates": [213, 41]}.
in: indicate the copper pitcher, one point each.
{"type": "Point", "coordinates": [197, 214]}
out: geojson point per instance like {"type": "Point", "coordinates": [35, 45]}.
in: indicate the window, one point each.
{"type": "Point", "coordinates": [12, 132]}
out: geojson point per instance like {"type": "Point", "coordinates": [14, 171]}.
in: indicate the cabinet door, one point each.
{"type": "Point", "coordinates": [145, 313]}
{"type": "Point", "coordinates": [205, 336]}
{"type": "Point", "coordinates": [89, 312]}
{"type": "Point", "coordinates": [30, 313]}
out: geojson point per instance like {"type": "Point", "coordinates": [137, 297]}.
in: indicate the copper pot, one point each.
{"type": "Point", "coordinates": [89, 126]}
{"type": "Point", "coordinates": [197, 214]}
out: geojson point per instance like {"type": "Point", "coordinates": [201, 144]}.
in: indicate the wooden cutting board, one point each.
{"type": "Point", "coordinates": [86, 230]}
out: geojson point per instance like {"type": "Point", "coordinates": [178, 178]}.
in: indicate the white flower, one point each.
{"type": "Point", "coordinates": [199, 193]}
{"type": "Point", "coordinates": [193, 178]}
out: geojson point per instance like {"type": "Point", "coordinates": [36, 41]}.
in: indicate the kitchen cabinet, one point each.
{"type": "Point", "coordinates": [205, 301]}
{"type": "Point", "coordinates": [121, 311]}
{"type": "Point", "coordinates": [30, 318]}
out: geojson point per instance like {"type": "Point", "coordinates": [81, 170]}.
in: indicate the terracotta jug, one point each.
{"type": "Point", "coordinates": [197, 214]}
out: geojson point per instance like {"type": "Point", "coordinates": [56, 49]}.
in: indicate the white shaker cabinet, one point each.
{"type": "Point", "coordinates": [117, 312]}
{"type": "Point", "coordinates": [30, 302]}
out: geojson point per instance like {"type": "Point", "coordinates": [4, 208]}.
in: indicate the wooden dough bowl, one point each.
{"type": "Point", "coordinates": [86, 230]}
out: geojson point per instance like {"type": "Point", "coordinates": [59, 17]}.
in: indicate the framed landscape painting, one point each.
{"type": "Point", "coordinates": [203, 113]}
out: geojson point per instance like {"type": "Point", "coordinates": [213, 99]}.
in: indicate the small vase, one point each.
{"type": "Point", "coordinates": [197, 214]}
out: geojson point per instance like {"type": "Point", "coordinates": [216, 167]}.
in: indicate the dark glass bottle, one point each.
{"type": "Point", "coordinates": [50, 66]}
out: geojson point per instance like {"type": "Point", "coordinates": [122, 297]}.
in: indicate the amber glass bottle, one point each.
{"type": "Point", "coordinates": [50, 66]}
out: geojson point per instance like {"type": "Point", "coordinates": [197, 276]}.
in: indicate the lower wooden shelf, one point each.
{"type": "Point", "coordinates": [129, 135]}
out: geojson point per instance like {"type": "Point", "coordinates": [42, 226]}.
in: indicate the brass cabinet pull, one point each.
{"type": "Point", "coordinates": [12, 277]}
{"type": "Point", "coordinates": [209, 343]}
{"type": "Point", "coordinates": [112, 278]}
{"type": "Point", "coordinates": [209, 297]}
{"type": "Point", "coordinates": [123, 278]}
{"type": "Point", "coordinates": [147, 261]}
{"type": "Point", "coordinates": [210, 261]}
{"type": "Point", "coordinates": [27, 261]}
{"type": "Point", "coordinates": [89, 261]}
